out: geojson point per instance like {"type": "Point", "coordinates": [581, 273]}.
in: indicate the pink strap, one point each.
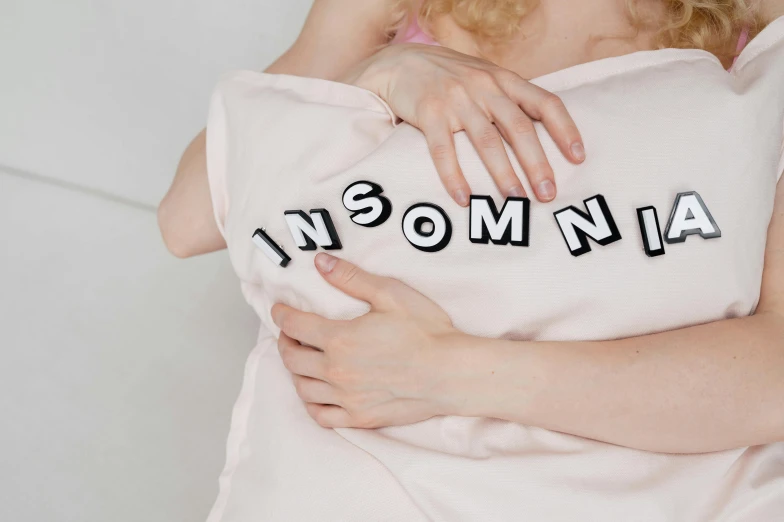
{"type": "Point", "coordinates": [742, 41]}
{"type": "Point", "coordinates": [413, 34]}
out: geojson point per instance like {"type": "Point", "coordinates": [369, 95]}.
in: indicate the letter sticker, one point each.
{"type": "Point", "coordinates": [690, 216]}
{"type": "Point", "coordinates": [440, 228]}
{"type": "Point", "coordinates": [369, 207]}
{"type": "Point", "coordinates": [262, 240]}
{"type": "Point", "coordinates": [510, 226]}
{"type": "Point", "coordinates": [651, 233]}
{"type": "Point", "coordinates": [314, 230]}
{"type": "Point", "coordinates": [577, 226]}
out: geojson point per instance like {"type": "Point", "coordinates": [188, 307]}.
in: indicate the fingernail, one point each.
{"type": "Point", "coordinates": [546, 190]}
{"type": "Point", "coordinates": [516, 192]}
{"type": "Point", "coordinates": [578, 151]}
{"type": "Point", "coordinates": [325, 262]}
{"type": "Point", "coordinates": [461, 198]}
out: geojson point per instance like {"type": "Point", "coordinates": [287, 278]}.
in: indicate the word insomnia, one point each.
{"type": "Point", "coordinates": [428, 228]}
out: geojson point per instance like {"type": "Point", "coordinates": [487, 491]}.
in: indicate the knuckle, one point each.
{"type": "Point", "coordinates": [552, 103]}
{"type": "Point", "coordinates": [481, 77]}
{"type": "Point", "coordinates": [387, 294]}
{"type": "Point", "coordinates": [363, 420]}
{"type": "Point", "coordinates": [452, 181]}
{"type": "Point", "coordinates": [286, 357]}
{"type": "Point", "coordinates": [506, 181]}
{"type": "Point", "coordinates": [539, 170]}
{"type": "Point", "coordinates": [488, 137]}
{"type": "Point", "coordinates": [337, 374]}
{"type": "Point", "coordinates": [431, 109]}
{"type": "Point", "coordinates": [522, 124]}
{"type": "Point", "coordinates": [439, 151]}
{"type": "Point", "coordinates": [351, 403]}
{"type": "Point", "coordinates": [506, 78]}
{"type": "Point", "coordinates": [349, 274]}
{"type": "Point", "coordinates": [320, 416]}
{"type": "Point", "coordinates": [456, 91]}
{"type": "Point", "coordinates": [331, 372]}
{"type": "Point", "coordinates": [368, 421]}
{"type": "Point", "coordinates": [335, 346]}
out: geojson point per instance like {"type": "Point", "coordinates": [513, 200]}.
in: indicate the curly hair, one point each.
{"type": "Point", "coordinates": [712, 25]}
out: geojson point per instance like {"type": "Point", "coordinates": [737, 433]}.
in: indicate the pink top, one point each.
{"type": "Point", "coordinates": [413, 34]}
{"type": "Point", "coordinates": [742, 40]}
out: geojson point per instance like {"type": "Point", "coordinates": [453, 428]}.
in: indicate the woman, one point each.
{"type": "Point", "coordinates": [626, 406]}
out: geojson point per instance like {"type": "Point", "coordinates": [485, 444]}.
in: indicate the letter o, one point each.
{"type": "Point", "coordinates": [415, 218]}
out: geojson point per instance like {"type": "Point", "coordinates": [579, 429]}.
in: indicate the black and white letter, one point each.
{"type": "Point", "coordinates": [369, 207]}
{"type": "Point", "coordinates": [262, 240]}
{"type": "Point", "coordinates": [651, 233]}
{"type": "Point", "coordinates": [690, 216]}
{"type": "Point", "coordinates": [577, 226]}
{"type": "Point", "coordinates": [427, 227]}
{"type": "Point", "coordinates": [314, 230]}
{"type": "Point", "coordinates": [509, 226]}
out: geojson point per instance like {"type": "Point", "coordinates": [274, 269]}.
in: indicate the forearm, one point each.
{"type": "Point", "coordinates": [185, 215]}
{"type": "Point", "coordinates": [336, 35]}
{"type": "Point", "coordinates": [703, 388]}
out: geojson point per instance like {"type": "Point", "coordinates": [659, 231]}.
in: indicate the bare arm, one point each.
{"type": "Point", "coordinates": [710, 387]}
{"type": "Point", "coordinates": [704, 388]}
{"type": "Point", "coordinates": [337, 35]}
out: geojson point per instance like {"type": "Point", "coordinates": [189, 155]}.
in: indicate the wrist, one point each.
{"type": "Point", "coordinates": [362, 75]}
{"type": "Point", "coordinates": [481, 377]}
{"type": "Point", "coordinates": [373, 73]}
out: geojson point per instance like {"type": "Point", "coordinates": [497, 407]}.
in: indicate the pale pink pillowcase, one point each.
{"type": "Point", "coordinates": [656, 124]}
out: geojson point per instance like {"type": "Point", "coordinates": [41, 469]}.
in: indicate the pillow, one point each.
{"type": "Point", "coordinates": [663, 226]}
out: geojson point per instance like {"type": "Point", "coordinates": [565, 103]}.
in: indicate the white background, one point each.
{"type": "Point", "coordinates": [119, 363]}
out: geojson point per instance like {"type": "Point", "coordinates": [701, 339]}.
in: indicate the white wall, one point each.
{"type": "Point", "coordinates": [107, 93]}
{"type": "Point", "coordinates": [119, 364]}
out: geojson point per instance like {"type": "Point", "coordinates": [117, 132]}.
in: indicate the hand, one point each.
{"type": "Point", "coordinates": [441, 91]}
{"type": "Point", "coordinates": [380, 369]}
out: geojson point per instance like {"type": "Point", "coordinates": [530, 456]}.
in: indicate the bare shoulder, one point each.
{"type": "Point", "coordinates": [337, 34]}
{"type": "Point", "coordinates": [355, 16]}
{"type": "Point", "coordinates": [771, 9]}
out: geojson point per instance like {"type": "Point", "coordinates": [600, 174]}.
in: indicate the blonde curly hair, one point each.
{"type": "Point", "coordinates": [712, 25]}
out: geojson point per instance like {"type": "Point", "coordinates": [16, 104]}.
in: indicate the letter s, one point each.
{"type": "Point", "coordinates": [369, 207]}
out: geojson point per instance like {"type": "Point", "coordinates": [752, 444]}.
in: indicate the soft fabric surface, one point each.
{"type": "Point", "coordinates": [655, 124]}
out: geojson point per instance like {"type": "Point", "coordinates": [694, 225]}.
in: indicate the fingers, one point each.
{"type": "Point", "coordinates": [352, 280]}
{"type": "Point", "coordinates": [307, 328]}
{"type": "Point", "coordinates": [519, 131]}
{"type": "Point", "coordinates": [548, 108]}
{"type": "Point", "coordinates": [314, 390]}
{"type": "Point", "coordinates": [492, 105]}
{"type": "Point", "coordinates": [487, 141]}
{"type": "Point", "coordinates": [441, 144]}
{"type": "Point", "coordinates": [329, 416]}
{"type": "Point", "coordinates": [301, 360]}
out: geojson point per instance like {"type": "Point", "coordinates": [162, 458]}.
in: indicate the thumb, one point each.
{"type": "Point", "coordinates": [352, 280]}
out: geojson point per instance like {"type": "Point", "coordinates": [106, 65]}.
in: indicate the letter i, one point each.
{"type": "Point", "coordinates": [651, 232]}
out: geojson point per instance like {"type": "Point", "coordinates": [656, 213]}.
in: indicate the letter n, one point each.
{"type": "Point", "coordinates": [577, 226]}
{"type": "Point", "coordinates": [316, 230]}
